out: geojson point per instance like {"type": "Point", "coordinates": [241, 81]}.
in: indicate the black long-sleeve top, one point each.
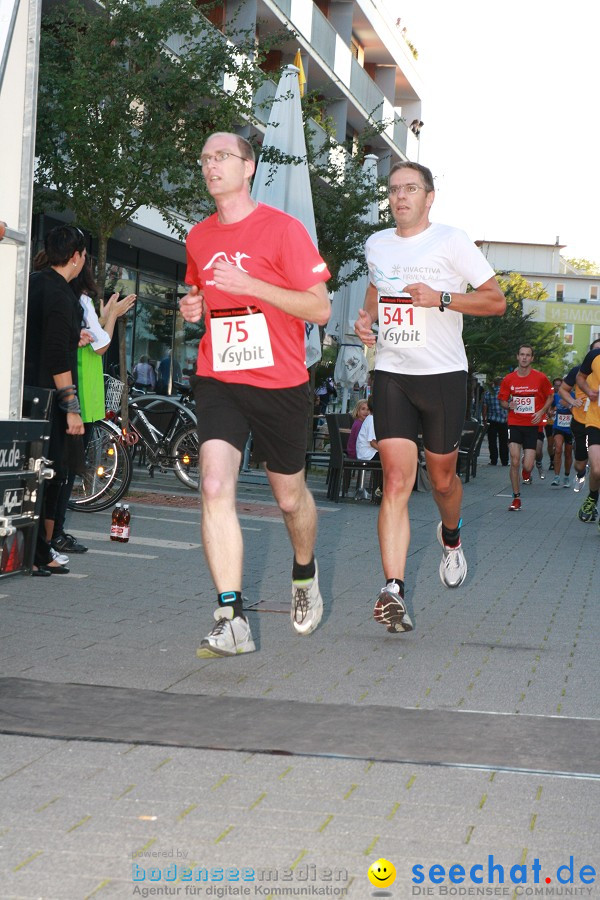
{"type": "Point", "coordinates": [53, 329]}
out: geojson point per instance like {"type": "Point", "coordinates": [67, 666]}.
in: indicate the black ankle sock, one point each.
{"type": "Point", "coordinates": [451, 536]}
{"type": "Point", "coordinates": [397, 581]}
{"type": "Point", "coordinates": [516, 495]}
{"type": "Point", "coordinates": [233, 599]}
{"type": "Point", "coordinates": [594, 496]}
{"type": "Point", "coordinates": [303, 573]}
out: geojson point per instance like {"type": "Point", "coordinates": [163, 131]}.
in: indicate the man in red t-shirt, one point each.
{"type": "Point", "coordinates": [527, 395]}
{"type": "Point", "coordinates": [257, 277]}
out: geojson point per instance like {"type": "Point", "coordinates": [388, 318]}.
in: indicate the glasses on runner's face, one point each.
{"type": "Point", "coordinates": [407, 188]}
{"type": "Point", "coordinates": [219, 156]}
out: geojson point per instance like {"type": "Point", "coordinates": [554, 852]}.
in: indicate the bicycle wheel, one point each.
{"type": "Point", "coordinates": [185, 453]}
{"type": "Point", "coordinates": [108, 471]}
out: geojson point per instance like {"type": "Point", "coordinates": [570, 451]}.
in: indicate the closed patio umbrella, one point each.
{"type": "Point", "coordinates": [287, 187]}
{"type": "Point", "coordinates": [351, 365]}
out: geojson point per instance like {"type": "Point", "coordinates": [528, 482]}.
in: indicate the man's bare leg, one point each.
{"type": "Point", "coordinates": [224, 550]}
{"type": "Point", "coordinates": [300, 516]}
{"type": "Point", "coordinates": [221, 532]}
{"type": "Point", "coordinates": [446, 486]}
{"type": "Point", "coordinates": [299, 512]}
{"type": "Point", "coordinates": [399, 459]}
{"type": "Point", "coordinates": [515, 466]}
{"type": "Point", "coordinates": [447, 492]}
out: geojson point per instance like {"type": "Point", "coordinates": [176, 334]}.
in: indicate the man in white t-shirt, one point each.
{"type": "Point", "coordinates": [419, 273]}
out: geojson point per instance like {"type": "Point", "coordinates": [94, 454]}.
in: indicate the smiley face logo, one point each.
{"type": "Point", "coordinates": [382, 873]}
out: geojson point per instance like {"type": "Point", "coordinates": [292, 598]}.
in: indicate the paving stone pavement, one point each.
{"type": "Point", "coordinates": [83, 819]}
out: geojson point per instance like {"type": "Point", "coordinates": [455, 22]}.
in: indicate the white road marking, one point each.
{"type": "Point", "coordinates": [118, 553]}
{"type": "Point", "coordinates": [136, 541]}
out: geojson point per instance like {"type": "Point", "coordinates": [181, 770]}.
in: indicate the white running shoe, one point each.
{"type": "Point", "coordinates": [453, 567]}
{"type": "Point", "coordinates": [567, 481]}
{"type": "Point", "coordinates": [579, 482]}
{"type": "Point", "coordinates": [61, 558]}
{"type": "Point", "coordinates": [540, 471]}
{"type": "Point", "coordinates": [229, 636]}
{"type": "Point", "coordinates": [390, 610]}
{"type": "Point", "coordinates": [307, 604]}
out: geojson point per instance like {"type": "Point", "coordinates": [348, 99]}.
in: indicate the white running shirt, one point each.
{"type": "Point", "coordinates": [444, 258]}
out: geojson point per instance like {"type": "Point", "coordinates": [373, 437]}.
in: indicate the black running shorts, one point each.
{"type": "Point", "coordinates": [592, 436]}
{"type": "Point", "coordinates": [525, 435]}
{"type": "Point", "coordinates": [405, 406]}
{"type": "Point", "coordinates": [566, 434]}
{"type": "Point", "coordinates": [578, 429]}
{"type": "Point", "coordinates": [277, 418]}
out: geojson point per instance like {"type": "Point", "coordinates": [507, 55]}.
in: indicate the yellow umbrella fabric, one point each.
{"type": "Point", "coordinates": [301, 76]}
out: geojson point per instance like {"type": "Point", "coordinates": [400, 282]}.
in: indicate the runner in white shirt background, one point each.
{"type": "Point", "coordinates": [419, 273]}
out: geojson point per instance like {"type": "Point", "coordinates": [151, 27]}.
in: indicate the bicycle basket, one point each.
{"type": "Point", "coordinates": [113, 390]}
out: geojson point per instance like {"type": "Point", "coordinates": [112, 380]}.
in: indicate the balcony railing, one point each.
{"type": "Point", "coordinates": [262, 101]}
{"type": "Point", "coordinates": [323, 37]}
{"type": "Point", "coordinates": [285, 6]}
{"type": "Point", "coordinates": [401, 135]}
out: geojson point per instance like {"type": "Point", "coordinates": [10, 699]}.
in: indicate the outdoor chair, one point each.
{"type": "Point", "coordinates": [340, 463]}
{"type": "Point", "coordinates": [471, 439]}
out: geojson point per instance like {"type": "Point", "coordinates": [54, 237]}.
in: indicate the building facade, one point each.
{"type": "Point", "coordinates": [573, 302]}
{"type": "Point", "coordinates": [357, 59]}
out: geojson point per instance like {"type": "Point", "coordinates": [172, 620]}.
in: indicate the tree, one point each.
{"type": "Point", "coordinates": [122, 117]}
{"type": "Point", "coordinates": [491, 342]}
{"type": "Point", "coordinates": [340, 191]}
{"type": "Point", "coordinates": [583, 265]}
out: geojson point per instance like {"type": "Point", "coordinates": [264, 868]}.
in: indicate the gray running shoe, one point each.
{"type": "Point", "coordinates": [229, 635]}
{"type": "Point", "coordinates": [390, 610]}
{"type": "Point", "coordinates": [567, 481]}
{"type": "Point", "coordinates": [307, 604]}
{"type": "Point", "coordinates": [453, 567]}
{"type": "Point", "coordinates": [555, 481]}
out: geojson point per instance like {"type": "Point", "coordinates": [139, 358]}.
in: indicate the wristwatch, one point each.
{"type": "Point", "coordinates": [445, 300]}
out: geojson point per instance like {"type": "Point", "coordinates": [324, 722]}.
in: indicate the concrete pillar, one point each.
{"type": "Point", "coordinates": [338, 110]}
{"type": "Point", "coordinates": [385, 79]}
{"type": "Point", "coordinates": [340, 16]}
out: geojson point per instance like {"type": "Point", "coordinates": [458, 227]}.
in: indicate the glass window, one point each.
{"type": "Point", "coordinates": [569, 333]}
{"type": "Point", "coordinates": [153, 336]}
{"type": "Point", "coordinates": [560, 293]}
{"type": "Point", "coordinates": [594, 292]}
{"type": "Point", "coordinates": [121, 279]}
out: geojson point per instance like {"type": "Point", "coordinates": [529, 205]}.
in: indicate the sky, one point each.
{"type": "Point", "coordinates": [511, 116]}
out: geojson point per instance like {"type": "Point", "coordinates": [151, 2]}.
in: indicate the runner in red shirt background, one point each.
{"type": "Point", "coordinates": [527, 395]}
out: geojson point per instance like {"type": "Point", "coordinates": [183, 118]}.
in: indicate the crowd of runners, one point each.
{"type": "Point", "coordinates": [256, 278]}
{"type": "Point", "coordinates": [567, 414]}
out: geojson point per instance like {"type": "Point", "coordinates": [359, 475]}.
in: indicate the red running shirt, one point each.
{"type": "Point", "coordinates": [274, 247]}
{"type": "Point", "coordinates": [531, 391]}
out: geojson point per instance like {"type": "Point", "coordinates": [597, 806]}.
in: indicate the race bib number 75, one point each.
{"type": "Point", "coordinates": [240, 339]}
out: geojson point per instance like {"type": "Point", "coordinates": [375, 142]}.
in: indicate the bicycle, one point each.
{"type": "Point", "coordinates": [109, 454]}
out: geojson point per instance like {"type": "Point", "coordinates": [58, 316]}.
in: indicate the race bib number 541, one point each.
{"type": "Point", "coordinates": [400, 323]}
{"type": "Point", "coordinates": [240, 339]}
